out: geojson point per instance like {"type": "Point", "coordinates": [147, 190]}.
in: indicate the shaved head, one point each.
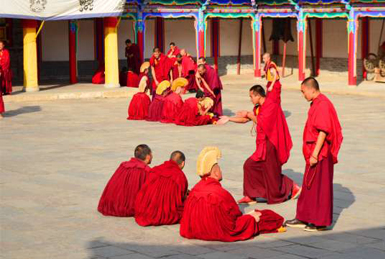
{"type": "Point", "coordinates": [178, 157]}
{"type": "Point", "coordinates": [311, 82]}
{"type": "Point", "coordinates": [266, 57]}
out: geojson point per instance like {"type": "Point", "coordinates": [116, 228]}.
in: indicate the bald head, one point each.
{"type": "Point", "coordinates": [311, 82]}
{"type": "Point", "coordinates": [266, 57]}
{"type": "Point", "coordinates": [310, 89]}
{"type": "Point", "coordinates": [178, 157]}
{"type": "Point", "coordinates": [183, 52]}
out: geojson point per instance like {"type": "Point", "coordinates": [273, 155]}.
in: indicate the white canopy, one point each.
{"type": "Point", "coordinates": [60, 9]}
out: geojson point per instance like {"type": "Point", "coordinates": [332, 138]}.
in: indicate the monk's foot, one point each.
{"type": "Point", "coordinates": [1, 116]}
{"type": "Point", "coordinates": [295, 192]}
{"type": "Point", "coordinates": [246, 200]}
{"type": "Point", "coordinates": [313, 228]}
{"type": "Point", "coordinates": [294, 223]}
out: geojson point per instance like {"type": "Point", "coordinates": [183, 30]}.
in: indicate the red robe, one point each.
{"type": "Point", "coordinates": [2, 109]}
{"type": "Point", "coordinates": [212, 79]}
{"type": "Point", "coordinates": [211, 213]}
{"type": "Point", "coordinates": [315, 204]}
{"type": "Point", "coordinates": [176, 52]}
{"type": "Point", "coordinates": [188, 72]}
{"type": "Point", "coordinates": [156, 108]}
{"type": "Point", "coordinates": [5, 71]}
{"type": "Point", "coordinates": [177, 71]}
{"type": "Point", "coordinates": [189, 114]}
{"type": "Point", "coordinates": [139, 106]}
{"type": "Point", "coordinates": [132, 79]}
{"type": "Point", "coordinates": [118, 198]}
{"type": "Point", "coordinates": [263, 176]}
{"type": "Point", "coordinates": [99, 77]}
{"type": "Point", "coordinates": [160, 201]}
{"type": "Point", "coordinates": [171, 107]}
{"type": "Point", "coordinates": [276, 92]}
{"type": "Point", "coordinates": [162, 67]}
{"type": "Point", "coordinates": [133, 62]}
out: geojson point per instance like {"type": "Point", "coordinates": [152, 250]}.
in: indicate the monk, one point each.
{"type": "Point", "coordinates": [140, 102]}
{"type": "Point", "coordinates": [189, 70]}
{"type": "Point", "coordinates": [132, 54]}
{"type": "Point", "coordinates": [2, 109]}
{"type": "Point", "coordinates": [263, 176]}
{"type": "Point", "coordinates": [209, 82]}
{"type": "Point", "coordinates": [190, 114]}
{"type": "Point", "coordinates": [322, 139]}
{"type": "Point", "coordinates": [99, 76]}
{"type": "Point", "coordinates": [118, 198]}
{"type": "Point", "coordinates": [5, 70]}
{"type": "Point", "coordinates": [156, 107]}
{"type": "Point", "coordinates": [272, 76]}
{"type": "Point", "coordinates": [173, 102]}
{"type": "Point", "coordinates": [160, 201]}
{"type": "Point", "coordinates": [176, 69]}
{"type": "Point", "coordinates": [211, 213]}
{"type": "Point", "coordinates": [173, 51]}
{"type": "Point", "coordinates": [160, 67]}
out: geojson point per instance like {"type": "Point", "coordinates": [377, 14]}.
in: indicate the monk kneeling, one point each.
{"type": "Point", "coordinates": [118, 198]}
{"type": "Point", "coordinates": [211, 213]}
{"type": "Point", "coordinates": [160, 201]}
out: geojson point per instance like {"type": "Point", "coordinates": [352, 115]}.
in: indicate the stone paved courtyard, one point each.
{"type": "Point", "coordinates": [56, 157]}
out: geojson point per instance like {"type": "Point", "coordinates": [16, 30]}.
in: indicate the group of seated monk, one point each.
{"type": "Point", "coordinates": [160, 196]}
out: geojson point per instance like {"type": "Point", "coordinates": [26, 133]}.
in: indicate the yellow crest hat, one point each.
{"type": "Point", "coordinates": [144, 66]}
{"type": "Point", "coordinates": [179, 82]}
{"type": "Point", "coordinates": [162, 87]}
{"type": "Point", "coordinates": [207, 159]}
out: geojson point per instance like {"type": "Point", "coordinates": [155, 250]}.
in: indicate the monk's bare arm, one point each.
{"type": "Point", "coordinates": [320, 141]}
{"type": "Point", "coordinates": [171, 76]}
{"type": "Point", "coordinates": [207, 87]}
{"type": "Point", "coordinates": [239, 119]}
{"type": "Point", "coordinates": [252, 117]}
{"type": "Point", "coordinates": [197, 80]}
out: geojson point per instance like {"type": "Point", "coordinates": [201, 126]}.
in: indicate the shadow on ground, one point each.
{"type": "Point", "coordinates": [365, 243]}
{"type": "Point", "coordinates": [22, 110]}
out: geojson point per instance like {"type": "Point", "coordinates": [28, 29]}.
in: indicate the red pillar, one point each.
{"type": "Point", "coordinates": [301, 56]}
{"type": "Point", "coordinates": [215, 42]}
{"type": "Point", "coordinates": [318, 39]}
{"type": "Point", "coordinates": [364, 41]}
{"type": "Point", "coordinates": [72, 31]}
{"type": "Point", "coordinates": [159, 33]}
{"type": "Point", "coordinates": [99, 40]}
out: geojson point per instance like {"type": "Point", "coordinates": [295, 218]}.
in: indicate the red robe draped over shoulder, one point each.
{"type": "Point", "coordinates": [5, 72]}
{"type": "Point", "coordinates": [162, 66]}
{"type": "Point", "coordinates": [139, 106]}
{"type": "Point", "coordinates": [118, 198]}
{"type": "Point", "coordinates": [171, 107]}
{"type": "Point", "coordinates": [315, 204]}
{"type": "Point", "coordinates": [211, 213]}
{"type": "Point", "coordinates": [174, 53]}
{"type": "Point", "coordinates": [189, 114]}
{"type": "Point", "coordinates": [212, 79]}
{"type": "Point", "coordinates": [160, 201]}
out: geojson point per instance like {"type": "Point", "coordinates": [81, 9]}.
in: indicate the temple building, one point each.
{"type": "Point", "coordinates": [304, 36]}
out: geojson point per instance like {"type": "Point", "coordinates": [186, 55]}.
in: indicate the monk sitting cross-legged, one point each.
{"type": "Point", "coordinates": [160, 201]}
{"type": "Point", "coordinates": [118, 198]}
{"type": "Point", "coordinates": [211, 213]}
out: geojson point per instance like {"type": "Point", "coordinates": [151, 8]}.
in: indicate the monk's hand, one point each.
{"type": "Point", "coordinates": [256, 215]}
{"type": "Point", "coordinates": [242, 114]}
{"type": "Point", "coordinates": [313, 160]}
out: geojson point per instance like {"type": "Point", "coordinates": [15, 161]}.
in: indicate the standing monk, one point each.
{"type": "Point", "coordinates": [176, 69]}
{"type": "Point", "coordinates": [209, 82]}
{"type": "Point", "coordinates": [263, 176]}
{"type": "Point", "coordinates": [5, 70]}
{"type": "Point", "coordinates": [188, 70]}
{"type": "Point", "coordinates": [211, 213]}
{"type": "Point", "coordinates": [160, 67]}
{"type": "Point", "coordinates": [2, 109]}
{"type": "Point", "coordinates": [173, 51]}
{"type": "Point", "coordinates": [272, 76]}
{"type": "Point", "coordinates": [133, 57]}
{"type": "Point", "coordinates": [160, 201]}
{"type": "Point", "coordinates": [118, 198]}
{"type": "Point", "coordinates": [322, 139]}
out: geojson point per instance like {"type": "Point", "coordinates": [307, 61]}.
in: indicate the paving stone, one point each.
{"type": "Point", "coordinates": [109, 251]}
{"type": "Point", "coordinates": [131, 256]}
{"type": "Point", "coordinates": [359, 253]}
{"type": "Point", "coordinates": [305, 251]}
{"type": "Point", "coordinates": [221, 255]}
{"type": "Point", "coordinates": [256, 252]}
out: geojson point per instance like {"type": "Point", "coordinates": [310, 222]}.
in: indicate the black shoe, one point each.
{"type": "Point", "coordinates": [313, 228]}
{"type": "Point", "coordinates": [294, 223]}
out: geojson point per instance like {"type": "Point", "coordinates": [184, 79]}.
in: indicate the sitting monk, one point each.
{"type": "Point", "coordinates": [188, 71]}
{"type": "Point", "coordinates": [173, 102]}
{"type": "Point", "coordinates": [140, 102]}
{"type": "Point", "coordinates": [118, 198]}
{"type": "Point", "coordinates": [156, 107]}
{"type": "Point", "coordinates": [211, 213]}
{"type": "Point", "coordinates": [132, 79]}
{"type": "Point", "coordinates": [160, 201]}
{"type": "Point", "coordinates": [99, 76]}
{"type": "Point", "coordinates": [190, 114]}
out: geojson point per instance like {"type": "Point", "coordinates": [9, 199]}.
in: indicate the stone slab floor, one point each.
{"type": "Point", "coordinates": [57, 156]}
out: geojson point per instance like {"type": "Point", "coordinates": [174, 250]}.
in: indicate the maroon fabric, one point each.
{"type": "Point", "coordinates": [171, 107]}
{"type": "Point", "coordinates": [188, 65]}
{"type": "Point", "coordinates": [315, 203]}
{"type": "Point", "coordinates": [139, 106]}
{"type": "Point", "coordinates": [177, 71]}
{"type": "Point", "coordinates": [132, 79]}
{"type": "Point", "coordinates": [5, 72]}
{"type": "Point", "coordinates": [189, 114]}
{"type": "Point", "coordinates": [211, 213]}
{"type": "Point", "coordinates": [156, 108]}
{"type": "Point", "coordinates": [264, 179]}
{"type": "Point", "coordinates": [162, 67]}
{"type": "Point", "coordinates": [118, 198]}
{"type": "Point", "coordinates": [99, 77]}
{"type": "Point", "coordinates": [160, 201]}
{"type": "Point", "coordinates": [174, 53]}
{"type": "Point", "coordinates": [133, 58]}
{"type": "Point", "coordinates": [2, 109]}
{"type": "Point", "coordinates": [274, 94]}
{"type": "Point", "coordinates": [212, 79]}
{"type": "Point", "coordinates": [269, 222]}
{"type": "Point", "coordinates": [123, 78]}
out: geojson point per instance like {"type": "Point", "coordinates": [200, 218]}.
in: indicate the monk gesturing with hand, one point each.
{"type": "Point", "coordinates": [322, 139]}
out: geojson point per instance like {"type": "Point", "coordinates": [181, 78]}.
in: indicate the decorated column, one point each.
{"type": "Point", "coordinates": [256, 25]}
{"type": "Point", "coordinates": [72, 44]}
{"type": "Point", "coordinates": [364, 41]}
{"type": "Point", "coordinates": [30, 56]}
{"type": "Point", "coordinates": [111, 52]}
{"type": "Point", "coordinates": [201, 34]}
{"type": "Point", "coordinates": [139, 34]}
{"type": "Point", "coordinates": [301, 29]}
{"type": "Point", "coordinates": [352, 48]}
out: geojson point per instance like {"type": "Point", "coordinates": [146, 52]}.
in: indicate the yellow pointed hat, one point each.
{"type": "Point", "coordinates": [162, 87]}
{"type": "Point", "coordinates": [179, 82]}
{"type": "Point", "coordinates": [207, 159]}
{"type": "Point", "coordinates": [144, 66]}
